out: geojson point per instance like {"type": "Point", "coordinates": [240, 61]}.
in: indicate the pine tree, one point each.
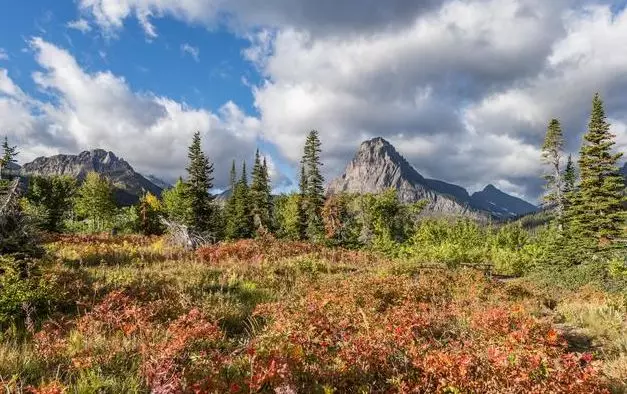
{"type": "Point", "coordinates": [199, 182]}
{"type": "Point", "coordinates": [9, 153]}
{"type": "Point", "coordinates": [314, 189]}
{"type": "Point", "coordinates": [230, 230]}
{"type": "Point", "coordinates": [551, 156]}
{"type": "Point", "coordinates": [259, 197]}
{"type": "Point", "coordinates": [243, 216]}
{"type": "Point", "coordinates": [302, 202]}
{"type": "Point", "coordinates": [598, 213]}
{"type": "Point", "coordinates": [267, 192]}
{"type": "Point", "coordinates": [570, 177]}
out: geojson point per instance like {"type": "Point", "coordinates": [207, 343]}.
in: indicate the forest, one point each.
{"type": "Point", "coordinates": [313, 293]}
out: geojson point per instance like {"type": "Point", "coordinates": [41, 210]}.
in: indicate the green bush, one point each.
{"type": "Point", "coordinates": [25, 295]}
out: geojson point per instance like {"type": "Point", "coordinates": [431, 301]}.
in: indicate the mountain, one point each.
{"type": "Point", "coordinates": [158, 182]}
{"type": "Point", "coordinates": [501, 204]}
{"type": "Point", "coordinates": [377, 166]}
{"type": "Point", "coordinates": [129, 184]}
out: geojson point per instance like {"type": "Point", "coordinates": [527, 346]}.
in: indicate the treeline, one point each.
{"type": "Point", "coordinates": [588, 202]}
{"type": "Point", "coordinates": [585, 201]}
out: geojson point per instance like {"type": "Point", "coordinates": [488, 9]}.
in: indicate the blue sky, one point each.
{"type": "Point", "coordinates": [463, 88]}
{"type": "Point", "coordinates": [149, 64]}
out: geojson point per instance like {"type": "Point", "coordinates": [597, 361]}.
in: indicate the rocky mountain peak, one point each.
{"type": "Point", "coordinates": [377, 166]}
{"type": "Point", "coordinates": [129, 183]}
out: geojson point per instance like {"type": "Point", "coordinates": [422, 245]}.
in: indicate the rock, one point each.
{"type": "Point", "coordinates": [129, 184]}
{"type": "Point", "coordinates": [377, 166]}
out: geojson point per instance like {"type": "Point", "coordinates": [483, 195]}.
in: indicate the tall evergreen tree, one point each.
{"type": "Point", "coordinates": [552, 156]}
{"type": "Point", "coordinates": [267, 191]}
{"type": "Point", "coordinates": [314, 189]}
{"type": "Point", "coordinates": [569, 177]}
{"type": "Point", "coordinates": [243, 215]}
{"type": "Point", "coordinates": [230, 230]}
{"type": "Point", "coordinates": [259, 198]}
{"type": "Point", "coordinates": [569, 189]}
{"type": "Point", "coordinates": [598, 213]}
{"type": "Point", "coordinates": [9, 153]}
{"type": "Point", "coordinates": [200, 180]}
{"type": "Point", "coordinates": [302, 202]}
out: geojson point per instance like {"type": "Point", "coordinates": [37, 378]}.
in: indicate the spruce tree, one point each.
{"type": "Point", "coordinates": [243, 217]}
{"type": "Point", "coordinates": [230, 230]}
{"type": "Point", "coordinates": [302, 202]}
{"type": "Point", "coordinates": [200, 180]}
{"type": "Point", "coordinates": [598, 213]}
{"type": "Point", "coordinates": [259, 197]}
{"type": "Point", "coordinates": [9, 153]}
{"type": "Point", "coordinates": [552, 156]}
{"type": "Point", "coordinates": [314, 189]}
{"type": "Point", "coordinates": [570, 177]}
{"type": "Point", "coordinates": [267, 192]}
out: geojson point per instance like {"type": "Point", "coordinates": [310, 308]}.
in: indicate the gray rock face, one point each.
{"type": "Point", "coordinates": [377, 167]}
{"type": "Point", "coordinates": [130, 185]}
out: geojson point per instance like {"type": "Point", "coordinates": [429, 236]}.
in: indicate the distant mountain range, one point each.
{"type": "Point", "coordinates": [377, 166]}
{"type": "Point", "coordinates": [129, 184]}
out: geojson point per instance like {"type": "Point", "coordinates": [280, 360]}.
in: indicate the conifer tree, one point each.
{"type": "Point", "coordinates": [552, 156]}
{"type": "Point", "coordinates": [243, 216]}
{"type": "Point", "coordinates": [267, 192]}
{"type": "Point", "coordinates": [313, 187]}
{"type": "Point", "coordinates": [302, 202]}
{"type": "Point", "coordinates": [9, 153]}
{"type": "Point", "coordinates": [200, 180]}
{"type": "Point", "coordinates": [259, 198]}
{"type": "Point", "coordinates": [569, 179]}
{"type": "Point", "coordinates": [230, 230]}
{"type": "Point", "coordinates": [598, 213]}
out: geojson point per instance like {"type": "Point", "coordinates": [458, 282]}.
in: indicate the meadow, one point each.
{"type": "Point", "coordinates": [133, 314]}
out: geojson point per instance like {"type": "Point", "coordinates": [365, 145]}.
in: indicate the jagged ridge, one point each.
{"type": "Point", "coordinates": [377, 166]}
{"type": "Point", "coordinates": [129, 184]}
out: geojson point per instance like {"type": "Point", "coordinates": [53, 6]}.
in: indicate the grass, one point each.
{"type": "Point", "coordinates": [131, 314]}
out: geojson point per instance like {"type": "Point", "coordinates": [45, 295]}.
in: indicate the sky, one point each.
{"type": "Point", "coordinates": [463, 88]}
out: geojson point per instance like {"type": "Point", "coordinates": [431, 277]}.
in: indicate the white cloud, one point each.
{"type": "Point", "coordinates": [192, 51]}
{"type": "Point", "coordinates": [100, 110]}
{"type": "Point", "coordinates": [464, 88]}
{"type": "Point", "coordinates": [3, 54]}
{"type": "Point", "coordinates": [81, 25]}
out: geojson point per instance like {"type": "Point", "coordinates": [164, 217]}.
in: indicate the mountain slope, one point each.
{"type": "Point", "coordinates": [129, 184]}
{"type": "Point", "coordinates": [501, 204]}
{"type": "Point", "coordinates": [377, 166]}
{"type": "Point", "coordinates": [158, 182]}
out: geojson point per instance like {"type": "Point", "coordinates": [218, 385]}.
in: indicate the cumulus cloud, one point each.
{"type": "Point", "coordinates": [192, 51]}
{"type": "Point", "coordinates": [3, 54]}
{"type": "Point", "coordinates": [81, 25]}
{"type": "Point", "coordinates": [463, 88]}
{"type": "Point", "coordinates": [99, 110]}
{"type": "Point", "coordinates": [322, 16]}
